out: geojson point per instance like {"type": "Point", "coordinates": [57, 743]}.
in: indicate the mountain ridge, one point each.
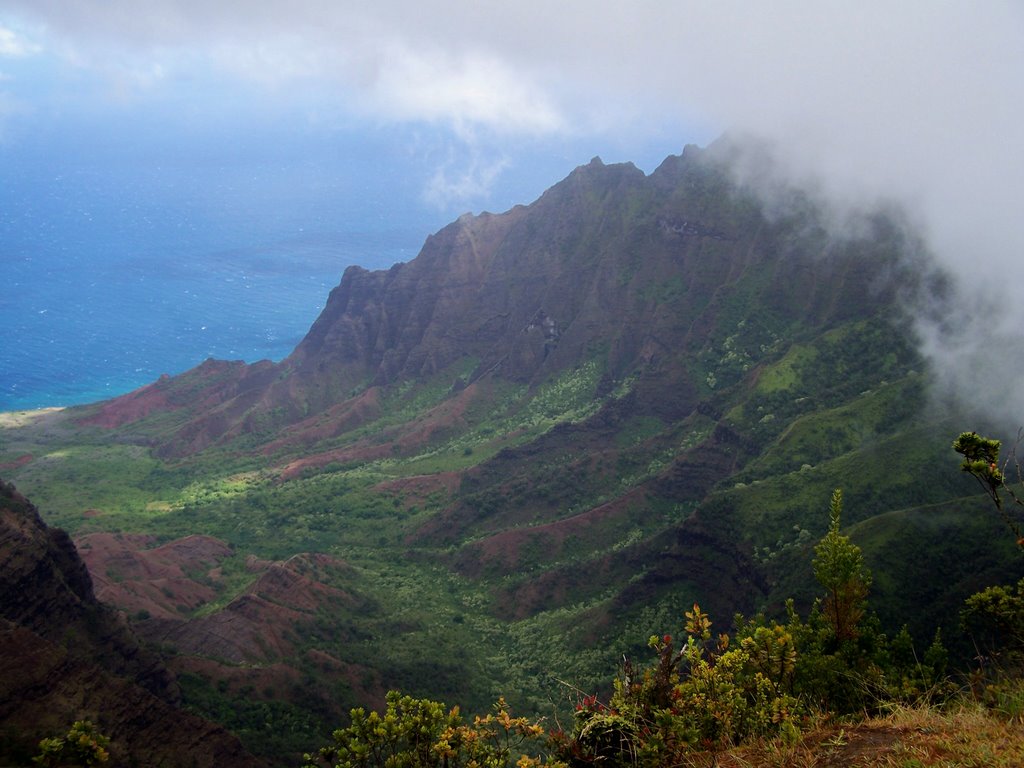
{"type": "Point", "coordinates": [524, 293]}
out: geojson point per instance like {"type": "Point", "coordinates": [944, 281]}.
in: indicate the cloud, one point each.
{"type": "Point", "coordinates": [460, 180]}
{"type": "Point", "coordinates": [13, 45]}
{"type": "Point", "coordinates": [467, 90]}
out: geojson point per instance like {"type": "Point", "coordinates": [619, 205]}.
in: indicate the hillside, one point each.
{"type": "Point", "coordinates": [512, 459]}
{"type": "Point", "coordinates": [67, 657]}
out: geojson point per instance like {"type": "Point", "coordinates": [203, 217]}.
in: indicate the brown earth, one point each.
{"type": "Point", "coordinates": [18, 462]}
{"type": "Point", "coordinates": [447, 418]}
{"type": "Point", "coordinates": [263, 623]}
{"type": "Point", "coordinates": [253, 644]}
{"type": "Point", "coordinates": [130, 572]}
{"type": "Point", "coordinates": [502, 553]}
{"type": "Point", "coordinates": [133, 406]}
{"type": "Point", "coordinates": [257, 626]}
{"type": "Point", "coordinates": [333, 422]}
{"type": "Point", "coordinates": [907, 738]}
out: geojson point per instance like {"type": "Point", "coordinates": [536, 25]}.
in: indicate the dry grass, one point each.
{"type": "Point", "coordinates": [969, 736]}
{"type": "Point", "coordinates": [16, 419]}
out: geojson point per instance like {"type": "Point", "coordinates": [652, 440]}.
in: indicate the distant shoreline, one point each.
{"type": "Point", "coordinates": [24, 417]}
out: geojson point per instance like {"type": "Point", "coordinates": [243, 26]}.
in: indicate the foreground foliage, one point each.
{"type": "Point", "coordinates": [981, 461]}
{"type": "Point", "coordinates": [996, 614]}
{"type": "Point", "coordinates": [83, 745]}
{"type": "Point", "coordinates": [706, 695]}
{"type": "Point", "coordinates": [423, 734]}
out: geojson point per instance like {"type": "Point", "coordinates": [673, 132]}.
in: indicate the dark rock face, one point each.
{"type": "Point", "coordinates": [66, 657]}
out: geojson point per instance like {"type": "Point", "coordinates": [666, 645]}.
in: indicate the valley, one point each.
{"type": "Point", "coordinates": [499, 468]}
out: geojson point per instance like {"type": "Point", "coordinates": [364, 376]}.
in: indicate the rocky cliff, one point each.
{"type": "Point", "coordinates": [65, 657]}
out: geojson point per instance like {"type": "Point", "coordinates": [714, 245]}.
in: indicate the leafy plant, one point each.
{"type": "Point", "coordinates": [995, 616]}
{"type": "Point", "coordinates": [83, 745]}
{"type": "Point", "coordinates": [981, 461]}
{"type": "Point", "coordinates": [705, 695]}
{"type": "Point", "coordinates": [419, 733]}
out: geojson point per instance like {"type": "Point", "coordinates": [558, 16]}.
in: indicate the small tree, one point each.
{"type": "Point", "coordinates": [839, 568]}
{"type": "Point", "coordinates": [995, 617]}
{"type": "Point", "coordinates": [981, 461]}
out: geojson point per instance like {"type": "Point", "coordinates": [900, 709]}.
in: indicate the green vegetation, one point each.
{"type": "Point", "coordinates": [507, 507]}
{"type": "Point", "coordinates": [418, 733]}
{"type": "Point", "coordinates": [456, 641]}
{"type": "Point", "coordinates": [453, 639]}
{"type": "Point", "coordinates": [763, 696]}
{"type": "Point", "coordinates": [82, 746]}
{"type": "Point", "coordinates": [267, 724]}
{"type": "Point", "coordinates": [501, 533]}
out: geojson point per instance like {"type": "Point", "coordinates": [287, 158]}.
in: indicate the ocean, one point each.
{"type": "Point", "coordinates": [110, 277]}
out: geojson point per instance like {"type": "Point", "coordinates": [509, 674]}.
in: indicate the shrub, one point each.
{"type": "Point", "coordinates": [995, 616]}
{"type": "Point", "coordinates": [706, 695]}
{"type": "Point", "coordinates": [419, 733]}
{"type": "Point", "coordinates": [82, 746]}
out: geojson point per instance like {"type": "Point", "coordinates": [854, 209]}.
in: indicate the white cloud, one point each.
{"type": "Point", "coordinates": [14, 45]}
{"type": "Point", "coordinates": [458, 182]}
{"type": "Point", "coordinates": [466, 90]}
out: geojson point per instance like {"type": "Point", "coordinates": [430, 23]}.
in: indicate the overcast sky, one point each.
{"type": "Point", "coordinates": [921, 98]}
{"type": "Point", "coordinates": [921, 101]}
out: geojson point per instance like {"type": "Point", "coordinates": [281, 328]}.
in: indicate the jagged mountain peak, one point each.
{"type": "Point", "coordinates": [635, 270]}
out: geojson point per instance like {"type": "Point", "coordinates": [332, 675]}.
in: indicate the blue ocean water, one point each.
{"type": "Point", "coordinates": [110, 277]}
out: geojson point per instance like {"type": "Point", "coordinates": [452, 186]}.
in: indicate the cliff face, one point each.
{"type": "Point", "coordinates": [527, 292]}
{"type": "Point", "coordinates": [45, 586]}
{"type": "Point", "coordinates": [66, 657]}
{"type": "Point", "coordinates": [643, 271]}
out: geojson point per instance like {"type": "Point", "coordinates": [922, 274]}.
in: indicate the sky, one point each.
{"type": "Point", "coordinates": [481, 105]}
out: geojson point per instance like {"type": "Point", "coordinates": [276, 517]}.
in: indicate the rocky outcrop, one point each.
{"type": "Point", "coordinates": [66, 657]}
